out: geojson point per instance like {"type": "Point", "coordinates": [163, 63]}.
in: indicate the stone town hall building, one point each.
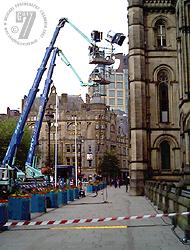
{"type": "Point", "coordinates": [159, 91]}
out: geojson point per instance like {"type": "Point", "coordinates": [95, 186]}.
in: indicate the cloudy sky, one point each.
{"type": "Point", "coordinates": [22, 52]}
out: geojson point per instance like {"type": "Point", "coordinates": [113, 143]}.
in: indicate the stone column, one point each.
{"type": "Point", "coordinates": [137, 92]}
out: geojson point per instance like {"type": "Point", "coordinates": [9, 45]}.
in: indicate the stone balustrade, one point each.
{"type": "Point", "coordinates": [171, 198]}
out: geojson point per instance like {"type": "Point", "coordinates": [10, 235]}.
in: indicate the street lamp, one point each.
{"type": "Point", "coordinates": [76, 163]}
{"type": "Point", "coordinates": [49, 118]}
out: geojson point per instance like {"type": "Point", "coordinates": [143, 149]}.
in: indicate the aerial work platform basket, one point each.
{"type": "Point", "coordinates": [98, 56]}
{"type": "Point", "coordinates": [101, 74]}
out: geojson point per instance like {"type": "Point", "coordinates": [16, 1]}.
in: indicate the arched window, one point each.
{"type": "Point", "coordinates": [165, 155]}
{"type": "Point", "coordinates": [160, 33]}
{"type": "Point", "coordinates": [163, 96]}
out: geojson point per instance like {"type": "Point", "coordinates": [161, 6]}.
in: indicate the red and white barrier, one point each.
{"type": "Point", "coordinates": [95, 220]}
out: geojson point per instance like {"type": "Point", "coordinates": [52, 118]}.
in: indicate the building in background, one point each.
{"type": "Point", "coordinates": [97, 130]}
{"type": "Point", "coordinates": [117, 91]}
{"type": "Point", "coordinates": [10, 113]}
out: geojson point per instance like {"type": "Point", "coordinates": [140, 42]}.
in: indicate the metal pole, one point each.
{"type": "Point", "coordinates": [76, 167]}
{"type": "Point", "coordinates": [80, 157]}
{"type": "Point", "coordinates": [56, 149]}
{"type": "Point", "coordinates": [49, 127]}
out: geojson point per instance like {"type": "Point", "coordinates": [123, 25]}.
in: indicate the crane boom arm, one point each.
{"type": "Point", "coordinates": [67, 63]}
{"type": "Point", "coordinates": [80, 32]}
{"type": "Point", "coordinates": [43, 101]}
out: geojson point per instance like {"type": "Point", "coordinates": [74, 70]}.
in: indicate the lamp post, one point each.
{"type": "Point", "coordinates": [80, 140]}
{"type": "Point", "coordinates": [76, 160]}
{"type": "Point", "coordinates": [80, 169]}
{"type": "Point", "coordinates": [49, 117]}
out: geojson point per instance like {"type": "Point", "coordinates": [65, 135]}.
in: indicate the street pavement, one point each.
{"type": "Point", "coordinates": [139, 234]}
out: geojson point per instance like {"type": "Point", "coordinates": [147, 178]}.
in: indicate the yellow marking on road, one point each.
{"type": "Point", "coordinates": [88, 227]}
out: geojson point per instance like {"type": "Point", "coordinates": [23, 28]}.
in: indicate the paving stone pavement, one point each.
{"type": "Point", "coordinates": [149, 234]}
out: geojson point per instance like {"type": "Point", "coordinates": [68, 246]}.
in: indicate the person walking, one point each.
{"type": "Point", "coordinates": [127, 183]}
{"type": "Point", "coordinates": [115, 183]}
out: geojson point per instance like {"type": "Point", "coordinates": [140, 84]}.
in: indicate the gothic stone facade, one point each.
{"type": "Point", "coordinates": [153, 93]}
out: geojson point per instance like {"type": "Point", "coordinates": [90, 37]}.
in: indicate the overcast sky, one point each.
{"type": "Point", "coordinates": [19, 63]}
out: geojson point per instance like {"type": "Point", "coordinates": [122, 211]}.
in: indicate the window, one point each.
{"type": "Point", "coordinates": [112, 85]}
{"type": "Point", "coordinates": [112, 78]}
{"type": "Point", "coordinates": [163, 96]}
{"type": "Point", "coordinates": [89, 164]}
{"type": "Point", "coordinates": [160, 32]}
{"type": "Point", "coordinates": [112, 93]}
{"type": "Point", "coordinates": [68, 160]}
{"type": "Point", "coordinates": [165, 155]}
{"type": "Point", "coordinates": [73, 161]}
{"type": "Point", "coordinates": [101, 88]}
{"type": "Point", "coordinates": [111, 101]}
{"type": "Point", "coordinates": [120, 101]}
{"type": "Point", "coordinates": [119, 85]}
{"type": "Point", "coordinates": [68, 148]}
{"type": "Point", "coordinates": [119, 77]}
{"type": "Point", "coordinates": [73, 147]}
{"type": "Point", "coordinates": [119, 93]}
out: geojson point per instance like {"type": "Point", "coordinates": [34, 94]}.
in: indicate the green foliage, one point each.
{"type": "Point", "coordinates": [6, 130]}
{"type": "Point", "coordinates": [109, 166]}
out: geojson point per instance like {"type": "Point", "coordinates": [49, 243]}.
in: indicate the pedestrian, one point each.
{"type": "Point", "coordinates": [118, 183]}
{"type": "Point", "coordinates": [127, 183]}
{"type": "Point", "coordinates": [115, 184]}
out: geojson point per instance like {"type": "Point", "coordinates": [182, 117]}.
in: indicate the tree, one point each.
{"type": "Point", "coordinates": [6, 130]}
{"type": "Point", "coordinates": [109, 165]}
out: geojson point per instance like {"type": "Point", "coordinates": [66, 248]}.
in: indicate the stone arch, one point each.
{"type": "Point", "coordinates": [166, 137]}
{"type": "Point", "coordinates": [160, 17]}
{"type": "Point", "coordinates": [171, 73]}
{"type": "Point", "coordinates": [174, 152]}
